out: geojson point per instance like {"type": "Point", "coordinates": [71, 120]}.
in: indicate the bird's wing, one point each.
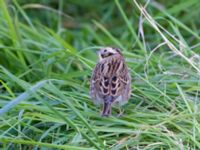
{"type": "Point", "coordinates": [96, 87]}
{"type": "Point", "coordinates": [120, 82]}
{"type": "Point", "coordinates": [110, 78]}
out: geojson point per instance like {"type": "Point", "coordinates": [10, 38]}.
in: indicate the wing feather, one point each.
{"type": "Point", "coordinates": [110, 78]}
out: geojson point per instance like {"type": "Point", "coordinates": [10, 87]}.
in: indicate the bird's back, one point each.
{"type": "Point", "coordinates": [110, 81]}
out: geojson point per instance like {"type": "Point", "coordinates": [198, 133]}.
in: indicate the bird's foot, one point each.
{"type": "Point", "coordinates": [121, 112]}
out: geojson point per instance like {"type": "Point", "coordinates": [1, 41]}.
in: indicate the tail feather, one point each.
{"type": "Point", "coordinates": [107, 106]}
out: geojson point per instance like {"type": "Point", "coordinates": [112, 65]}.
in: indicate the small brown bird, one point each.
{"type": "Point", "coordinates": [110, 82]}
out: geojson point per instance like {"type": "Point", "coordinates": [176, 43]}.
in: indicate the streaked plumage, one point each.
{"type": "Point", "coordinates": [110, 81]}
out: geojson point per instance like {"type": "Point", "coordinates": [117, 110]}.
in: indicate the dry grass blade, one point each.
{"type": "Point", "coordinates": [170, 44]}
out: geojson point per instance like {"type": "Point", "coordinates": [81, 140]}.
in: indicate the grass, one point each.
{"type": "Point", "coordinates": [47, 52]}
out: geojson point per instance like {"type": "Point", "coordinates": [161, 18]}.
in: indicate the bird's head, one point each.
{"type": "Point", "coordinates": [107, 52]}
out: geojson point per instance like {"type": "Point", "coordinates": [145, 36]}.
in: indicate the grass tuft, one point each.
{"type": "Point", "coordinates": [47, 53]}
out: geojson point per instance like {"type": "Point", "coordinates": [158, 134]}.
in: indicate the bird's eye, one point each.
{"type": "Point", "coordinates": [109, 54]}
{"type": "Point", "coordinates": [104, 55]}
{"type": "Point", "coordinates": [105, 50]}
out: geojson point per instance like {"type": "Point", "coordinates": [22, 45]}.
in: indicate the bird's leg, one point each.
{"type": "Point", "coordinates": [106, 109]}
{"type": "Point", "coordinates": [121, 112]}
{"type": "Point", "coordinates": [110, 110]}
{"type": "Point", "coordinates": [107, 106]}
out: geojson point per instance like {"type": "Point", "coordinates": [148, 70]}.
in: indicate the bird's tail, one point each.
{"type": "Point", "coordinates": [107, 106]}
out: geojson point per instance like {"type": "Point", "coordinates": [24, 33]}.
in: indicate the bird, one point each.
{"type": "Point", "coordinates": [110, 82]}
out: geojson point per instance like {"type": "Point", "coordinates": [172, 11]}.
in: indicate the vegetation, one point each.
{"type": "Point", "coordinates": [47, 52]}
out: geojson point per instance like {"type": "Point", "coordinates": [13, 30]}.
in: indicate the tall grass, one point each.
{"type": "Point", "coordinates": [46, 57]}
